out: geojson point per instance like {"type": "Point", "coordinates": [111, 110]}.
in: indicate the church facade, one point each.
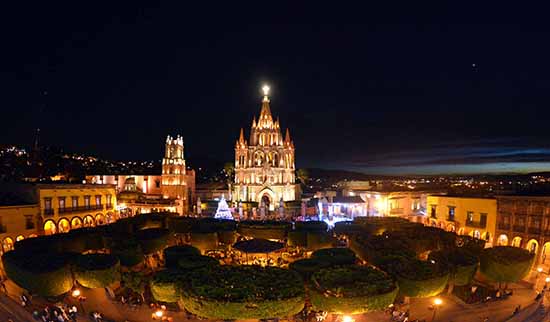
{"type": "Point", "coordinates": [264, 164]}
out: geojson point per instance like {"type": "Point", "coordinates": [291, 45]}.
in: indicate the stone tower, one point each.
{"type": "Point", "coordinates": [264, 166]}
{"type": "Point", "coordinates": [174, 175]}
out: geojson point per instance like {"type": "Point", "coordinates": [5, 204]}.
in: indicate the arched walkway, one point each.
{"type": "Point", "coordinates": [476, 234]}
{"type": "Point", "coordinates": [89, 221]}
{"type": "Point", "coordinates": [451, 228]}
{"type": "Point", "coordinates": [460, 231]}
{"type": "Point", "coordinates": [516, 242]}
{"type": "Point", "coordinates": [110, 218]}
{"type": "Point", "coordinates": [502, 240]}
{"type": "Point", "coordinates": [63, 225]}
{"type": "Point", "coordinates": [76, 223]}
{"type": "Point", "coordinates": [532, 246]}
{"type": "Point", "coordinates": [7, 244]}
{"type": "Point", "coordinates": [50, 227]}
{"type": "Point", "coordinates": [486, 236]}
{"type": "Point", "coordinates": [99, 219]}
{"type": "Point", "coordinates": [20, 237]}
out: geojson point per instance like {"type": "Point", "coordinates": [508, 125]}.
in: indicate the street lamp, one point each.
{"type": "Point", "coordinates": [159, 313]}
{"type": "Point", "coordinates": [347, 318]}
{"type": "Point", "coordinates": [547, 280]}
{"type": "Point", "coordinates": [75, 293]}
{"type": "Point", "coordinates": [437, 303]}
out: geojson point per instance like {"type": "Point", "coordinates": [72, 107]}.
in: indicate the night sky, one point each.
{"type": "Point", "coordinates": [413, 91]}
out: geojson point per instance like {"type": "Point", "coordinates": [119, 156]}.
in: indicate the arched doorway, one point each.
{"type": "Point", "coordinates": [76, 223]}
{"type": "Point", "coordinates": [476, 234]}
{"type": "Point", "coordinates": [99, 219]}
{"type": "Point", "coordinates": [486, 237]}
{"type": "Point", "coordinates": [516, 242]}
{"type": "Point", "coordinates": [109, 217]}
{"type": "Point", "coordinates": [63, 225]}
{"type": "Point", "coordinates": [451, 228]}
{"type": "Point", "coordinates": [89, 221]}
{"type": "Point", "coordinates": [532, 246]}
{"type": "Point", "coordinates": [265, 200]}
{"type": "Point", "coordinates": [20, 237]}
{"type": "Point", "coordinates": [461, 231]}
{"type": "Point", "coordinates": [502, 240]}
{"type": "Point", "coordinates": [50, 227]}
{"type": "Point", "coordinates": [7, 244]}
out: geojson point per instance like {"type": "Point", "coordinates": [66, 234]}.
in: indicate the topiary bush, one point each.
{"type": "Point", "coordinates": [505, 263]}
{"type": "Point", "coordinates": [96, 270]}
{"type": "Point", "coordinates": [44, 274]}
{"type": "Point", "coordinates": [311, 226]}
{"type": "Point", "coordinates": [297, 238]}
{"type": "Point", "coordinates": [128, 252]}
{"type": "Point", "coordinates": [164, 285]}
{"type": "Point", "coordinates": [243, 292]}
{"type": "Point", "coordinates": [461, 264]}
{"type": "Point", "coordinates": [152, 240]}
{"type": "Point", "coordinates": [264, 229]}
{"type": "Point", "coordinates": [318, 240]}
{"type": "Point", "coordinates": [193, 262]}
{"type": "Point", "coordinates": [307, 266]}
{"type": "Point", "coordinates": [352, 290]}
{"type": "Point", "coordinates": [204, 241]}
{"type": "Point", "coordinates": [418, 278]}
{"type": "Point", "coordinates": [335, 256]}
{"type": "Point", "coordinates": [173, 254]}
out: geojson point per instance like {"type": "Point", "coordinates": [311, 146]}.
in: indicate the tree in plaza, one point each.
{"type": "Point", "coordinates": [505, 264]}
{"type": "Point", "coordinates": [136, 281]}
{"type": "Point", "coordinates": [352, 290]}
{"type": "Point", "coordinates": [96, 270]}
{"type": "Point", "coordinates": [229, 169]}
{"type": "Point", "coordinates": [461, 264]}
{"type": "Point", "coordinates": [243, 292]}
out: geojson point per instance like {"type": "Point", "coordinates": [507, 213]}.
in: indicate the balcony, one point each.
{"type": "Point", "coordinates": [67, 210]}
{"type": "Point", "coordinates": [48, 212]}
{"type": "Point", "coordinates": [519, 228]}
{"type": "Point", "coordinates": [534, 230]}
{"type": "Point", "coordinates": [109, 206]}
{"type": "Point", "coordinates": [477, 224]}
{"type": "Point", "coordinates": [503, 226]}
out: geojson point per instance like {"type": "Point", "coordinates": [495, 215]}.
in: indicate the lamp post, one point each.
{"type": "Point", "coordinates": [437, 303]}
{"type": "Point", "coordinates": [77, 295]}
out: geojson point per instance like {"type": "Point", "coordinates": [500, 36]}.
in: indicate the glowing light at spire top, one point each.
{"type": "Point", "coordinates": [265, 89]}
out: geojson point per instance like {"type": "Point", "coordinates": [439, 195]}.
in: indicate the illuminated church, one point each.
{"type": "Point", "coordinates": [264, 165]}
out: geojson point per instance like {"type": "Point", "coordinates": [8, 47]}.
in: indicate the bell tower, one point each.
{"type": "Point", "coordinates": [174, 183]}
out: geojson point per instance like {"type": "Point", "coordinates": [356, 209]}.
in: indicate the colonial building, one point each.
{"type": "Point", "coordinates": [173, 190]}
{"type": "Point", "coordinates": [473, 216]}
{"type": "Point", "coordinates": [524, 221]}
{"type": "Point", "coordinates": [68, 206]}
{"type": "Point", "coordinates": [264, 165]}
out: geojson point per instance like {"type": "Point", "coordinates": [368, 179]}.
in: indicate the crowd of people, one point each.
{"type": "Point", "coordinates": [56, 313]}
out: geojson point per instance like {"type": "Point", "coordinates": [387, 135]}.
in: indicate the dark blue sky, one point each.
{"type": "Point", "coordinates": [379, 90]}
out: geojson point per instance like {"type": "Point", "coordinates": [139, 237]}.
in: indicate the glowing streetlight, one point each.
{"type": "Point", "coordinates": [76, 293]}
{"type": "Point", "coordinates": [347, 318]}
{"type": "Point", "coordinates": [539, 269]}
{"type": "Point", "coordinates": [159, 313]}
{"type": "Point", "coordinates": [437, 303]}
{"type": "Point", "coordinates": [547, 280]}
{"type": "Point", "coordinates": [265, 89]}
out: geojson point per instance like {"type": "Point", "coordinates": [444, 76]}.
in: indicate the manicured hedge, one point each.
{"type": "Point", "coordinates": [461, 264]}
{"type": "Point", "coordinates": [318, 239]}
{"type": "Point", "coordinates": [174, 253]}
{"type": "Point", "coordinates": [196, 261]}
{"type": "Point", "coordinates": [307, 266]}
{"type": "Point", "coordinates": [348, 228]}
{"type": "Point", "coordinates": [297, 238]}
{"type": "Point", "coordinates": [128, 252]}
{"type": "Point", "coordinates": [311, 226]}
{"type": "Point", "coordinates": [243, 292]}
{"type": "Point", "coordinates": [152, 240]}
{"type": "Point", "coordinates": [352, 290]}
{"type": "Point", "coordinates": [505, 263]}
{"type": "Point", "coordinates": [181, 225]}
{"type": "Point", "coordinates": [227, 237]}
{"type": "Point", "coordinates": [418, 278]}
{"type": "Point", "coordinates": [335, 256]}
{"type": "Point", "coordinates": [96, 270]}
{"type": "Point", "coordinates": [204, 241]}
{"type": "Point", "coordinates": [264, 229]}
{"type": "Point", "coordinates": [164, 285]}
{"type": "Point", "coordinates": [44, 274]}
